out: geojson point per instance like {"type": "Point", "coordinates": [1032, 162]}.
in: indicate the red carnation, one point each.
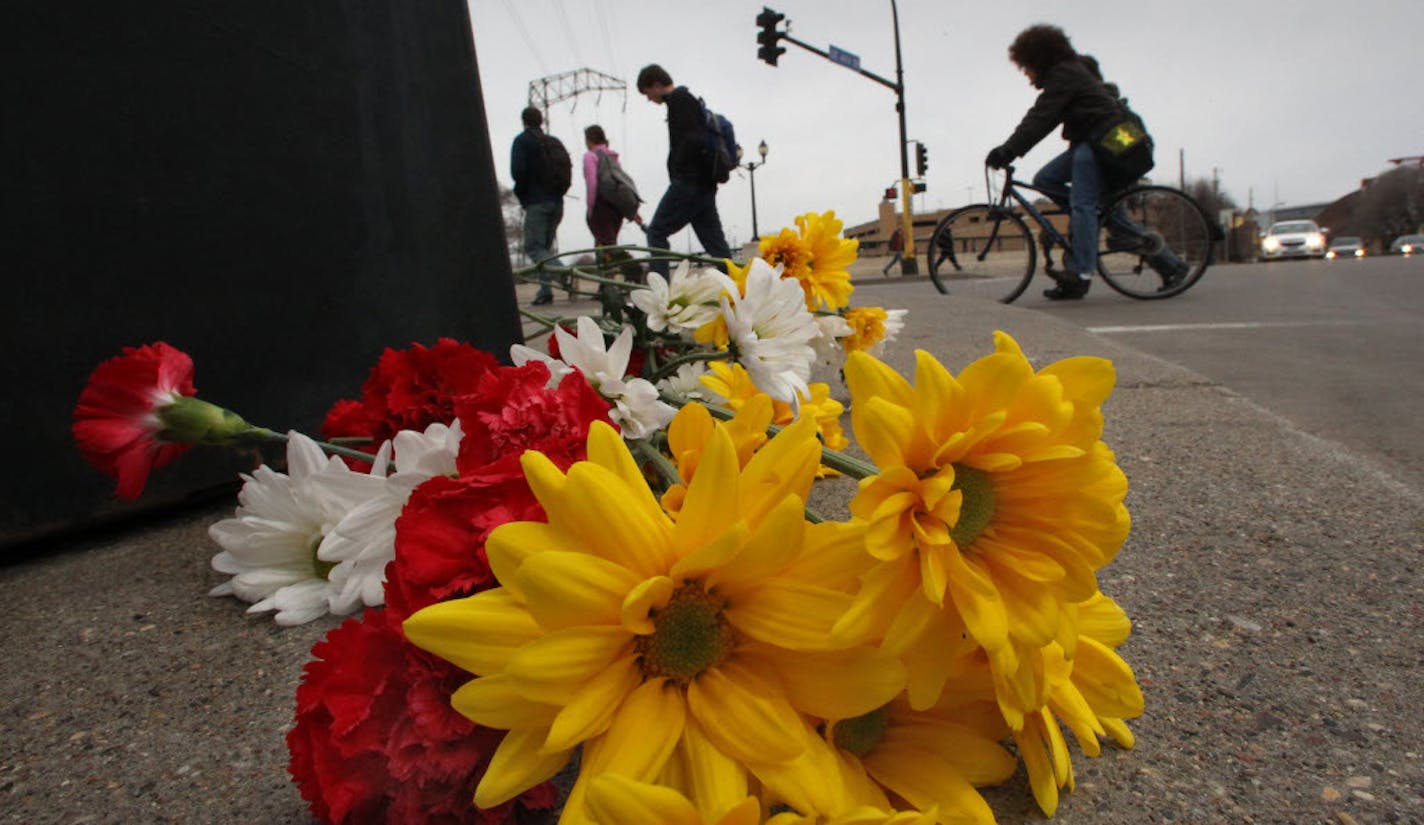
{"type": "Point", "coordinates": [377, 741]}
{"type": "Point", "coordinates": [116, 422]}
{"type": "Point", "coordinates": [410, 390]}
{"type": "Point", "coordinates": [513, 411]}
{"type": "Point", "coordinates": [440, 538]}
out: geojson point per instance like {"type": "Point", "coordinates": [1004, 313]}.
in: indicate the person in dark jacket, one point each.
{"type": "Point", "coordinates": [691, 196]}
{"type": "Point", "coordinates": [543, 207]}
{"type": "Point", "coordinates": [1073, 96]}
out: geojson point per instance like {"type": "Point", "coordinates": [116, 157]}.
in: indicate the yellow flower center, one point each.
{"type": "Point", "coordinates": [977, 508]}
{"type": "Point", "coordinates": [690, 634]}
{"type": "Point", "coordinates": [861, 734]}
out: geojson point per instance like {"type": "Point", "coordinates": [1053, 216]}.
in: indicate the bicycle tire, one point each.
{"type": "Point", "coordinates": [1185, 233]}
{"type": "Point", "coordinates": [982, 250]}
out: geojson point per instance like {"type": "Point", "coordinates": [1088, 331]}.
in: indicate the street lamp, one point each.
{"type": "Point", "coordinates": [751, 167]}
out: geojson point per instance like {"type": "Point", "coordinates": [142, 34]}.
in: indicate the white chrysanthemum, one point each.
{"type": "Point", "coordinates": [364, 542]}
{"type": "Point", "coordinates": [637, 410]}
{"type": "Point", "coordinates": [827, 344]}
{"type": "Point", "coordinates": [270, 546]}
{"type": "Point", "coordinates": [772, 330]}
{"type": "Point", "coordinates": [686, 301]}
{"type": "Point", "coordinates": [686, 383]}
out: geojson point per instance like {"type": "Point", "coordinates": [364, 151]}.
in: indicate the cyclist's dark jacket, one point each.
{"type": "Point", "coordinates": [1072, 96]}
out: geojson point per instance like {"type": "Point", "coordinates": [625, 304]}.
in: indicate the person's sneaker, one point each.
{"type": "Point", "coordinates": [1070, 288]}
{"type": "Point", "coordinates": [1147, 244]}
{"type": "Point", "coordinates": [540, 300]}
{"type": "Point", "coordinates": [1172, 274]}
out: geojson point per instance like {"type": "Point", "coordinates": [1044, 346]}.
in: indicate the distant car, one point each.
{"type": "Point", "coordinates": [1407, 245]}
{"type": "Point", "coordinates": [1293, 239]}
{"type": "Point", "coordinates": [1346, 247]}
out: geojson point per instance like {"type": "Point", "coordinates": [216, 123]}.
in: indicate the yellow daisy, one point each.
{"type": "Point", "coordinates": [817, 256]}
{"type": "Point", "coordinates": [617, 800]}
{"type": "Point", "coordinates": [652, 642]}
{"type": "Point", "coordinates": [731, 381]}
{"type": "Point", "coordinates": [995, 505]}
{"type": "Point", "coordinates": [1092, 693]}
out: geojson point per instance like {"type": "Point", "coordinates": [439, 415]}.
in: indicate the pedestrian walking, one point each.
{"type": "Point", "coordinates": [541, 169]}
{"type": "Point", "coordinates": [606, 210]}
{"type": "Point", "coordinates": [691, 196]}
{"type": "Point", "coordinates": [897, 249]}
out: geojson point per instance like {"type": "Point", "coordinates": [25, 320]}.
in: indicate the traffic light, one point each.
{"type": "Point", "coordinates": [768, 51]}
{"type": "Point", "coordinates": [922, 159]}
{"type": "Point", "coordinates": [890, 193]}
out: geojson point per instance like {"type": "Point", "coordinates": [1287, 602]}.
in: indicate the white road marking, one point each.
{"type": "Point", "coordinates": [1223, 325]}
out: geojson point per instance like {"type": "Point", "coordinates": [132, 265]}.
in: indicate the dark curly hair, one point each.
{"type": "Point", "coordinates": [1040, 48]}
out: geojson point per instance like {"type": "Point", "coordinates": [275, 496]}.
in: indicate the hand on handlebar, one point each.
{"type": "Point", "coordinates": [998, 158]}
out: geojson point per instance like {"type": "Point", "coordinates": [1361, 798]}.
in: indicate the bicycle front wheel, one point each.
{"type": "Point", "coordinates": [1156, 243]}
{"type": "Point", "coordinates": [983, 251]}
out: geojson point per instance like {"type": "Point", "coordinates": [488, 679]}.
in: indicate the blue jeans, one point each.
{"type": "Point", "coordinates": [1072, 181]}
{"type": "Point", "coordinates": [541, 224]}
{"type": "Point", "coordinates": [687, 203]}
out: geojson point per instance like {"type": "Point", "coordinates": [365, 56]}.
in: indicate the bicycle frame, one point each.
{"type": "Point", "coordinates": [1010, 191]}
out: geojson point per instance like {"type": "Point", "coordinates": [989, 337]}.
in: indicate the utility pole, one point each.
{"type": "Point", "coordinates": [768, 52]}
{"type": "Point", "coordinates": [557, 88]}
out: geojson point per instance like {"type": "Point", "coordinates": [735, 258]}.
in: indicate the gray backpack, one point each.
{"type": "Point", "coordinates": [615, 187]}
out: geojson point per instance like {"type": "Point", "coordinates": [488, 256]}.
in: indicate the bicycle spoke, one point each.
{"type": "Point", "coordinates": [982, 251]}
{"type": "Point", "coordinates": [1156, 242]}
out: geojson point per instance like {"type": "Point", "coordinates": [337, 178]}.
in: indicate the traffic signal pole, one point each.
{"type": "Point", "coordinates": [769, 52]}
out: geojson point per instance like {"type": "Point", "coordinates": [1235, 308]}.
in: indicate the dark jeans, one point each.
{"type": "Point", "coordinates": [1072, 180]}
{"type": "Point", "coordinates": [686, 203]}
{"type": "Point", "coordinates": [541, 225]}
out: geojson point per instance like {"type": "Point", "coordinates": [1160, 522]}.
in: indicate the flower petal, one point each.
{"type": "Point", "coordinates": [743, 717]}
{"type": "Point", "coordinates": [517, 765]}
{"type": "Point", "coordinates": [448, 629]}
{"type": "Point", "coordinates": [570, 589]}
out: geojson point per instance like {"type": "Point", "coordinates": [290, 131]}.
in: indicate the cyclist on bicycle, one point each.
{"type": "Point", "coordinates": [1076, 97]}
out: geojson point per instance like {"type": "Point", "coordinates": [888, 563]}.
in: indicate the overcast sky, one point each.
{"type": "Point", "coordinates": [1291, 102]}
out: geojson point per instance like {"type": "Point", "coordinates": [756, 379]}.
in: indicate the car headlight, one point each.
{"type": "Point", "coordinates": [1315, 241]}
{"type": "Point", "coordinates": [1271, 244]}
{"type": "Point", "coordinates": [1330, 255]}
{"type": "Point", "coordinates": [1360, 253]}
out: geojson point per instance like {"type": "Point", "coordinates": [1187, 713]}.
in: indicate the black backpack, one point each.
{"type": "Point", "coordinates": [1123, 148]}
{"type": "Point", "coordinates": [719, 143]}
{"type": "Point", "coordinates": [553, 165]}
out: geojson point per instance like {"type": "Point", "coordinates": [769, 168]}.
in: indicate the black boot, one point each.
{"type": "Point", "coordinates": [1070, 288]}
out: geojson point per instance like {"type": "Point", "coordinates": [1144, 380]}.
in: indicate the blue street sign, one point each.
{"type": "Point", "coordinates": [845, 58]}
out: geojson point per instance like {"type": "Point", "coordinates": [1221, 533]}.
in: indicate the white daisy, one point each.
{"type": "Point", "coordinates": [771, 331]}
{"type": "Point", "coordinates": [830, 329]}
{"type": "Point", "coordinates": [894, 325]}
{"type": "Point", "coordinates": [637, 410]}
{"type": "Point", "coordinates": [364, 541]}
{"type": "Point", "coordinates": [270, 546]}
{"type": "Point", "coordinates": [686, 301]}
{"type": "Point", "coordinates": [686, 383]}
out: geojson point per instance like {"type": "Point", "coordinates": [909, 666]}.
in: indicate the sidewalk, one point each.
{"type": "Point", "coordinates": [1275, 582]}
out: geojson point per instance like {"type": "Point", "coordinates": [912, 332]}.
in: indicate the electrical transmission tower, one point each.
{"type": "Point", "coordinates": [557, 88]}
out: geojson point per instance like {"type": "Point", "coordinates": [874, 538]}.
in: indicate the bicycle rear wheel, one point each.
{"type": "Point", "coordinates": [1156, 243]}
{"type": "Point", "coordinates": [984, 251]}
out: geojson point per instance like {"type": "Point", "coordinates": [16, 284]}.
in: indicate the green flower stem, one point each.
{"type": "Point", "coordinates": [654, 456]}
{"type": "Point", "coordinates": [264, 435]}
{"type": "Point", "coordinates": [671, 367]}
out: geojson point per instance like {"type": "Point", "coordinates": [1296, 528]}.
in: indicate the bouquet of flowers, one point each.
{"type": "Point", "coordinates": [598, 563]}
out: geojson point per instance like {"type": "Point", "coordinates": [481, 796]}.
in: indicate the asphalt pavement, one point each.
{"type": "Point", "coordinates": [1274, 578]}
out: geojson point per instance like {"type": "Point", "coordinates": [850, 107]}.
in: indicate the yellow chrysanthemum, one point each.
{"type": "Point", "coordinates": [656, 643]}
{"type": "Point", "coordinates": [996, 504]}
{"type": "Point", "coordinates": [1091, 693]}
{"type": "Point", "coordinates": [731, 381]}
{"type": "Point", "coordinates": [933, 758]}
{"type": "Point", "coordinates": [714, 332]}
{"type": "Point", "coordinates": [817, 256]}
{"type": "Point", "coordinates": [867, 328]}
{"type": "Point", "coordinates": [691, 429]}
{"type": "Point", "coordinates": [617, 800]}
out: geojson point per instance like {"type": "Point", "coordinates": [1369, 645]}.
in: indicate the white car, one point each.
{"type": "Point", "coordinates": [1407, 245]}
{"type": "Point", "coordinates": [1293, 239]}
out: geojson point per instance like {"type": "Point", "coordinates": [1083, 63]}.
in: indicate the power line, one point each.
{"type": "Point", "coordinates": [524, 33]}
{"type": "Point", "coordinates": [568, 29]}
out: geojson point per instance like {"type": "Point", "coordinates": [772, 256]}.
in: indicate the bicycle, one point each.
{"type": "Point", "coordinates": [1155, 242]}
